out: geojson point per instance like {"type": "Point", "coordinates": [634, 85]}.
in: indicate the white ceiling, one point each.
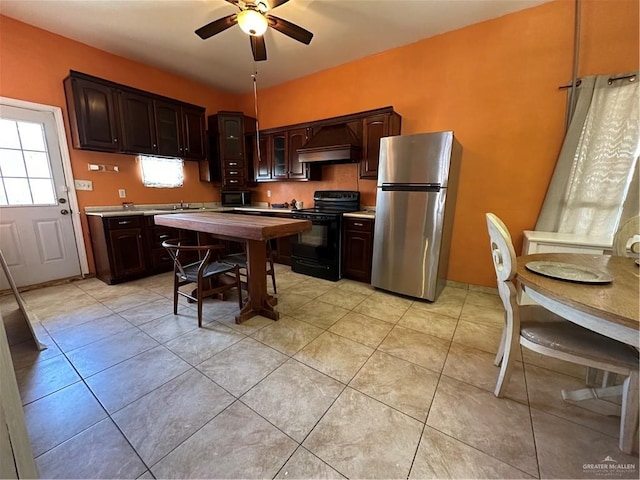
{"type": "Point", "coordinates": [161, 32]}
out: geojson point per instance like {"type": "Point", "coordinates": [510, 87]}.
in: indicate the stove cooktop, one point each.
{"type": "Point", "coordinates": [325, 210]}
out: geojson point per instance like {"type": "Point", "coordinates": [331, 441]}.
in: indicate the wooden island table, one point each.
{"type": "Point", "coordinates": [255, 231]}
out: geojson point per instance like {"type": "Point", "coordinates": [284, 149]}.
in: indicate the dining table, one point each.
{"type": "Point", "coordinates": [598, 292]}
{"type": "Point", "coordinates": [255, 232]}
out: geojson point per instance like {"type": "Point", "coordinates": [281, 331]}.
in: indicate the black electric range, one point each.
{"type": "Point", "coordinates": [319, 252]}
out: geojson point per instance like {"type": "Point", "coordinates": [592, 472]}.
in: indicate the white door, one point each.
{"type": "Point", "coordinates": [36, 228]}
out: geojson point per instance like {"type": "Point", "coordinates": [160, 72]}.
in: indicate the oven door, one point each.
{"type": "Point", "coordinates": [322, 242]}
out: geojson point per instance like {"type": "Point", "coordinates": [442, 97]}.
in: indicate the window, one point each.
{"type": "Point", "coordinates": [161, 172]}
{"type": "Point", "coordinates": [25, 175]}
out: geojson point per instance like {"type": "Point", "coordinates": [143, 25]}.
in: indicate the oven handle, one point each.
{"type": "Point", "coordinates": [314, 221]}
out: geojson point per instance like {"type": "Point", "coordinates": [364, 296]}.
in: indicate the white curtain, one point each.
{"type": "Point", "coordinates": [595, 183]}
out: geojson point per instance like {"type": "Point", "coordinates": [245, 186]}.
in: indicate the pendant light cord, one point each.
{"type": "Point", "coordinates": [255, 105]}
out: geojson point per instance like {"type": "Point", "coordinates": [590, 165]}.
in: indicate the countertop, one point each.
{"type": "Point", "coordinates": [361, 214]}
{"type": "Point", "coordinates": [147, 210]}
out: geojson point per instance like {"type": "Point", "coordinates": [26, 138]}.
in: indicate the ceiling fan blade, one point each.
{"type": "Point", "coordinates": [234, 2]}
{"type": "Point", "coordinates": [258, 48]}
{"type": "Point", "coordinates": [276, 3]}
{"type": "Point", "coordinates": [217, 26]}
{"type": "Point", "coordinates": [290, 29]}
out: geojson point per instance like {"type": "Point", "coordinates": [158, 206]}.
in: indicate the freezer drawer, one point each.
{"type": "Point", "coordinates": [407, 242]}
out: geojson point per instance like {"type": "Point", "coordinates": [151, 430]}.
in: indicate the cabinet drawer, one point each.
{"type": "Point", "coordinates": [234, 173]}
{"type": "Point", "coordinates": [233, 164]}
{"type": "Point", "coordinates": [233, 181]}
{"type": "Point", "coordinates": [161, 234]}
{"type": "Point", "coordinates": [160, 258]}
{"type": "Point", "coordinates": [124, 222]}
{"type": "Point", "coordinates": [358, 224]}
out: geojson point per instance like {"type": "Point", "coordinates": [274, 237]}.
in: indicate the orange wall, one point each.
{"type": "Point", "coordinates": [33, 64]}
{"type": "Point", "coordinates": [495, 84]}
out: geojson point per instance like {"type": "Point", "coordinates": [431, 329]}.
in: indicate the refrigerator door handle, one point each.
{"type": "Point", "coordinates": [410, 187]}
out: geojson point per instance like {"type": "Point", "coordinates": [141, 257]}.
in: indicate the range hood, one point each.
{"type": "Point", "coordinates": [332, 144]}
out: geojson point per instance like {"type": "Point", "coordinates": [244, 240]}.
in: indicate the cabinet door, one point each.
{"type": "Point", "coordinates": [358, 249]}
{"type": "Point", "coordinates": [373, 129]}
{"type": "Point", "coordinates": [138, 123]}
{"type": "Point", "coordinates": [194, 133]}
{"type": "Point", "coordinates": [262, 160]}
{"type": "Point", "coordinates": [279, 155]}
{"type": "Point", "coordinates": [93, 112]}
{"type": "Point", "coordinates": [231, 128]}
{"type": "Point", "coordinates": [168, 128]}
{"type": "Point", "coordinates": [127, 250]}
{"type": "Point", "coordinates": [296, 139]}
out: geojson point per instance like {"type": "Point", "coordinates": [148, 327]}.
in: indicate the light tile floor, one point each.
{"type": "Point", "coordinates": [351, 382]}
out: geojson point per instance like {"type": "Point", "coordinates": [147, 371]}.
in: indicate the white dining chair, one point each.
{"type": "Point", "coordinates": [541, 331]}
{"type": "Point", "coordinates": [626, 241]}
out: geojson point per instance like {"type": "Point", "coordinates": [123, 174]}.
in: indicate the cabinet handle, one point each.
{"type": "Point", "coordinates": [358, 224]}
{"type": "Point", "coordinates": [233, 181]}
{"type": "Point", "coordinates": [233, 173]}
{"type": "Point", "coordinates": [186, 149]}
{"type": "Point", "coordinates": [163, 236]}
{"type": "Point", "coordinates": [139, 236]}
{"type": "Point", "coordinates": [155, 146]}
{"type": "Point", "coordinates": [233, 164]}
{"type": "Point", "coordinates": [124, 222]}
{"type": "Point", "coordinates": [115, 140]}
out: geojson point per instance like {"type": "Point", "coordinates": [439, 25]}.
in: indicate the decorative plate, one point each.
{"type": "Point", "coordinates": [570, 272]}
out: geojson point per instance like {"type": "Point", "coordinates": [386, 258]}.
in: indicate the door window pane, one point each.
{"type": "Point", "coordinates": [31, 136]}
{"type": "Point", "coordinates": [37, 164]}
{"type": "Point", "coordinates": [9, 134]}
{"type": "Point", "coordinates": [25, 173]}
{"type": "Point", "coordinates": [12, 163]}
{"type": "Point", "coordinates": [18, 191]}
{"type": "Point", "coordinates": [42, 191]}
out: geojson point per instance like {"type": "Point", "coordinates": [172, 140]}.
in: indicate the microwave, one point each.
{"type": "Point", "coordinates": [235, 198]}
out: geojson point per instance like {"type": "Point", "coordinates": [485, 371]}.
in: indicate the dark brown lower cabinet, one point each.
{"type": "Point", "coordinates": [130, 247]}
{"type": "Point", "coordinates": [282, 250]}
{"type": "Point", "coordinates": [118, 247]}
{"type": "Point", "coordinates": [357, 252]}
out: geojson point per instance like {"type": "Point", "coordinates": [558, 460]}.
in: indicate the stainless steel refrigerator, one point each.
{"type": "Point", "coordinates": [415, 203]}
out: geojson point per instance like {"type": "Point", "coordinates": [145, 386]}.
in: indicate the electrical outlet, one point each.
{"type": "Point", "coordinates": [268, 193]}
{"type": "Point", "coordinates": [83, 185]}
{"type": "Point", "coordinates": [122, 193]}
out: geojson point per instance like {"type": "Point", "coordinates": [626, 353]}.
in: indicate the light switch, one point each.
{"type": "Point", "coordinates": [83, 184]}
{"type": "Point", "coordinates": [122, 193]}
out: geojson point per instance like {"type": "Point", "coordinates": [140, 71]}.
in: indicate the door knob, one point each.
{"type": "Point", "coordinates": [64, 211]}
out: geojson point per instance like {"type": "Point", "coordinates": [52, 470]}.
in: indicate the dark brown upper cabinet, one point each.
{"type": "Point", "coordinates": [262, 161]}
{"type": "Point", "coordinates": [109, 117]}
{"type": "Point", "coordinates": [168, 127]}
{"type": "Point", "coordinates": [279, 147]}
{"type": "Point", "coordinates": [279, 156]}
{"type": "Point", "coordinates": [230, 150]}
{"type": "Point", "coordinates": [193, 120]}
{"type": "Point", "coordinates": [136, 111]}
{"type": "Point", "coordinates": [374, 127]}
{"type": "Point", "coordinates": [93, 115]}
{"type": "Point", "coordinates": [296, 138]}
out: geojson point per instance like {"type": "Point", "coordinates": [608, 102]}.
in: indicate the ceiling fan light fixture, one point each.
{"type": "Point", "coordinates": [252, 22]}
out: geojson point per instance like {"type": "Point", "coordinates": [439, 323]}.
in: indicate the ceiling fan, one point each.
{"type": "Point", "coordinates": [254, 20]}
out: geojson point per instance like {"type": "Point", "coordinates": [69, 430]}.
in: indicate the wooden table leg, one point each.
{"type": "Point", "coordinates": [259, 301]}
